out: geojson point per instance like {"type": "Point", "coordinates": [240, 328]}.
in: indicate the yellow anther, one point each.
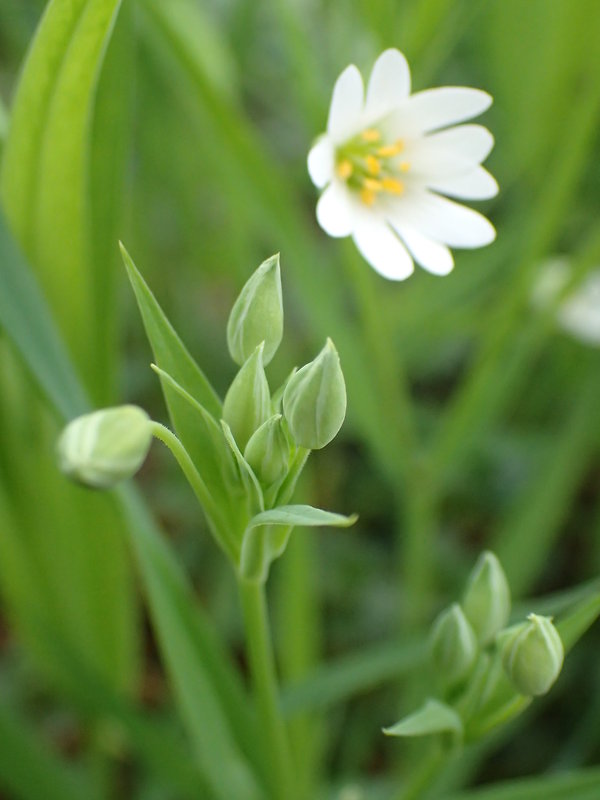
{"type": "Point", "coordinates": [370, 135]}
{"type": "Point", "coordinates": [373, 165]}
{"type": "Point", "coordinates": [392, 185]}
{"type": "Point", "coordinates": [388, 150]}
{"type": "Point", "coordinates": [345, 169]}
{"type": "Point", "coordinates": [372, 185]}
{"type": "Point", "coordinates": [404, 166]}
{"type": "Point", "coordinates": [367, 196]}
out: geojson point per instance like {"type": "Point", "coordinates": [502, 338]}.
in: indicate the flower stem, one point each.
{"type": "Point", "coordinates": [262, 669]}
{"type": "Point", "coordinates": [425, 773]}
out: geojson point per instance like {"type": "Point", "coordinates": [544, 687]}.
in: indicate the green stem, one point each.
{"type": "Point", "coordinates": [262, 669]}
{"type": "Point", "coordinates": [424, 774]}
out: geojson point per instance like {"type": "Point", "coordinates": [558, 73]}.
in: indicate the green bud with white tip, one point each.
{"type": "Point", "coordinates": [268, 451]}
{"type": "Point", "coordinates": [105, 447]}
{"type": "Point", "coordinates": [486, 602]}
{"type": "Point", "coordinates": [453, 645]}
{"type": "Point", "coordinates": [257, 314]}
{"type": "Point", "coordinates": [314, 400]}
{"type": "Point", "coordinates": [532, 655]}
{"type": "Point", "coordinates": [248, 401]}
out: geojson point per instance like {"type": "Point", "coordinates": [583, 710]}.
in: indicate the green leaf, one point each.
{"type": "Point", "coordinates": [249, 479]}
{"type": "Point", "coordinates": [45, 177]}
{"type": "Point", "coordinates": [581, 785]}
{"type": "Point", "coordinates": [267, 535]}
{"type": "Point", "coordinates": [302, 515]}
{"type": "Point", "coordinates": [170, 352]}
{"type": "Point", "coordinates": [432, 717]}
{"type": "Point", "coordinates": [26, 319]}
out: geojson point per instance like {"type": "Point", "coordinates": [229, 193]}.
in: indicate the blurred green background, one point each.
{"type": "Point", "coordinates": [472, 422]}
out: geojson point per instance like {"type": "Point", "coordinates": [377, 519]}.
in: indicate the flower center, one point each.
{"type": "Point", "coordinates": [371, 166]}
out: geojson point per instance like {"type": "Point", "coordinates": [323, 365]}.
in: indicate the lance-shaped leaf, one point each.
{"type": "Point", "coordinates": [251, 485]}
{"type": "Point", "coordinates": [433, 717]}
{"type": "Point", "coordinates": [267, 534]}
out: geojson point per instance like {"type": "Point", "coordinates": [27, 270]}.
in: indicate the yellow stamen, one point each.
{"type": "Point", "coordinates": [367, 196]}
{"type": "Point", "coordinates": [372, 185]}
{"type": "Point", "coordinates": [345, 169]}
{"type": "Point", "coordinates": [373, 165]}
{"type": "Point", "coordinates": [392, 185]}
{"type": "Point", "coordinates": [388, 150]}
{"type": "Point", "coordinates": [404, 166]}
{"type": "Point", "coordinates": [370, 135]}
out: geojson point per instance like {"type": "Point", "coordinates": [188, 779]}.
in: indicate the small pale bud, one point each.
{"type": "Point", "coordinates": [487, 598]}
{"type": "Point", "coordinates": [105, 447]}
{"type": "Point", "coordinates": [268, 451]}
{"type": "Point", "coordinates": [257, 314]}
{"type": "Point", "coordinates": [248, 402]}
{"type": "Point", "coordinates": [314, 400]}
{"type": "Point", "coordinates": [453, 645]}
{"type": "Point", "coordinates": [532, 655]}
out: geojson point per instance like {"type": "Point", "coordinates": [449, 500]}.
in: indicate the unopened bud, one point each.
{"type": "Point", "coordinates": [248, 403]}
{"type": "Point", "coordinates": [268, 451]}
{"type": "Point", "coordinates": [532, 655]}
{"type": "Point", "coordinates": [314, 400]}
{"type": "Point", "coordinates": [257, 314]}
{"type": "Point", "coordinates": [105, 447]}
{"type": "Point", "coordinates": [453, 645]}
{"type": "Point", "coordinates": [487, 598]}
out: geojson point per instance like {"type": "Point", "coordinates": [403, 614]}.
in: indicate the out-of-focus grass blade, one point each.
{"type": "Point", "coordinates": [581, 785]}
{"type": "Point", "coordinates": [45, 178]}
{"type": "Point", "coordinates": [349, 675]}
{"type": "Point", "coordinates": [28, 769]}
{"type": "Point", "coordinates": [523, 541]}
{"type": "Point", "coordinates": [573, 625]}
{"type": "Point", "coordinates": [26, 319]}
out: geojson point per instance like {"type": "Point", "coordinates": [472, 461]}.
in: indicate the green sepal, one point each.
{"type": "Point", "coordinates": [250, 481]}
{"type": "Point", "coordinates": [432, 718]}
{"type": "Point", "coordinates": [267, 535]}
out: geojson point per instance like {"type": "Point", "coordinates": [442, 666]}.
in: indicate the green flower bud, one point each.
{"type": "Point", "coordinates": [532, 655]}
{"type": "Point", "coordinates": [314, 400]}
{"type": "Point", "coordinates": [257, 314]}
{"type": "Point", "coordinates": [105, 447]}
{"type": "Point", "coordinates": [268, 451]}
{"type": "Point", "coordinates": [453, 645]}
{"type": "Point", "coordinates": [487, 598]}
{"type": "Point", "coordinates": [248, 402]}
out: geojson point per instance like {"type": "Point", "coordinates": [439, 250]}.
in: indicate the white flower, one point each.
{"type": "Point", "coordinates": [387, 159]}
{"type": "Point", "coordinates": [579, 312]}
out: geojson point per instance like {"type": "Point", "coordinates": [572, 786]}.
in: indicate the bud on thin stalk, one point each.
{"type": "Point", "coordinates": [248, 402]}
{"type": "Point", "coordinates": [105, 447]}
{"type": "Point", "coordinates": [257, 314]}
{"type": "Point", "coordinates": [268, 451]}
{"type": "Point", "coordinates": [314, 400]}
{"type": "Point", "coordinates": [487, 598]}
{"type": "Point", "coordinates": [532, 655]}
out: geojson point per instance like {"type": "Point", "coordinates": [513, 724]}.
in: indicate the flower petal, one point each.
{"type": "Point", "coordinates": [442, 220]}
{"type": "Point", "coordinates": [334, 210]}
{"type": "Point", "coordinates": [437, 108]}
{"type": "Point", "coordinates": [389, 84]}
{"type": "Point", "coordinates": [432, 256]}
{"type": "Point", "coordinates": [346, 107]}
{"type": "Point", "coordinates": [477, 184]}
{"type": "Point", "coordinates": [321, 162]}
{"type": "Point", "coordinates": [384, 251]}
{"type": "Point", "coordinates": [472, 142]}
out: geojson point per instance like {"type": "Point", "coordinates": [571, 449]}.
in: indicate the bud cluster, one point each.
{"type": "Point", "coordinates": [487, 672]}
{"type": "Point", "coordinates": [243, 456]}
